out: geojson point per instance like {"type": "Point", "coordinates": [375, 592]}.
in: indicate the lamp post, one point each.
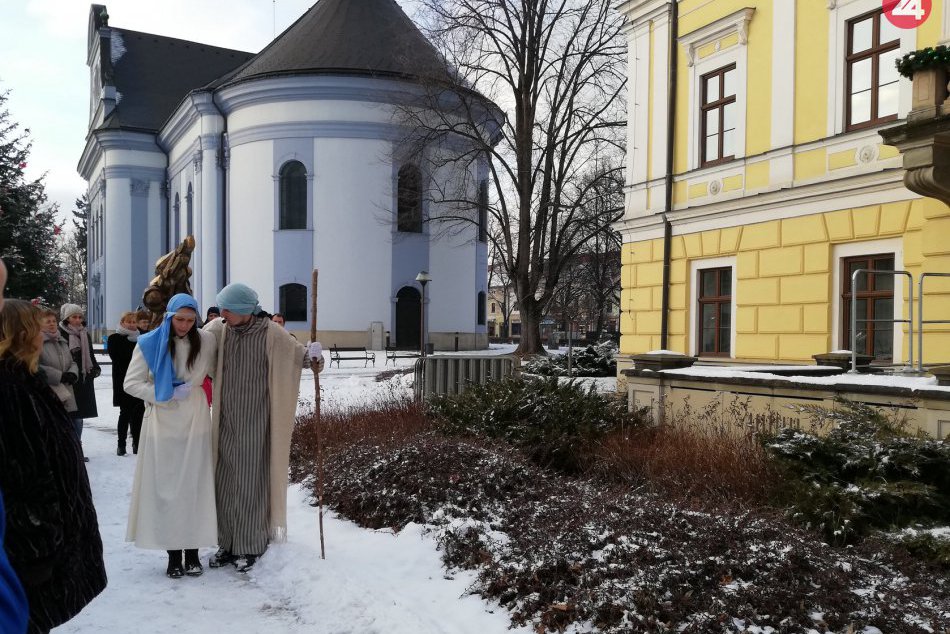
{"type": "Point", "coordinates": [423, 278]}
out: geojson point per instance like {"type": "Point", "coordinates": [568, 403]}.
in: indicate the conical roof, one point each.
{"type": "Point", "coordinates": [363, 37]}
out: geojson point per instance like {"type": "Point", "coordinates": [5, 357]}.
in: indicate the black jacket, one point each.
{"type": "Point", "coordinates": [52, 535]}
{"type": "Point", "coordinates": [84, 388]}
{"type": "Point", "coordinates": [120, 351]}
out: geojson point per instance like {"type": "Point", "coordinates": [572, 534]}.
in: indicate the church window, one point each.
{"type": "Point", "coordinates": [483, 211]}
{"type": "Point", "coordinates": [481, 308]}
{"type": "Point", "coordinates": [409, 199]}
{"type": "Point", "coordinates": [293, 302]}
{"type": "Point", "coordinates": [190, 206]}
{"type": "Point", "coordinates": [177, 225]}
{"type": "Point", "coordinates": [293, 196]}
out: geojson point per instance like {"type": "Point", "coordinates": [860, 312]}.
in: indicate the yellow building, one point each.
{"type": "Point", "coordinates": [781, 184]}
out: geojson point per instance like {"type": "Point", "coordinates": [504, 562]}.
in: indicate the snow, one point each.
{"type": "Point", "coordinates": [667, 352]}
{"type": "Point", "coordinates": [371, 581]}
{"type": "Point", "coordinates": [843, 380]}
{"type": "Point", "coordinates": [118, 46]}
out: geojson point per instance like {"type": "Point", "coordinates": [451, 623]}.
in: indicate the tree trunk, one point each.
{"type": "Point", "coordinates": [530, 331]}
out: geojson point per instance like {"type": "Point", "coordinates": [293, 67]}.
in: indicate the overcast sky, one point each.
{"type": "Point", "coordinates": [43, 63]}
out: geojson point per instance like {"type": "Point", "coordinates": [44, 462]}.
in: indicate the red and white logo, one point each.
{"type": "Point", "coordinates": [907, 14]}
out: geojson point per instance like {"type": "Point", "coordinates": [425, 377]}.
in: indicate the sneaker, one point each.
{"type": "Point", "coordinates": [243, 563]}
{"type": "Point", "coordinates": [174, 571]}
{"type": "Point", "coordinates": [221, 558]}
{"type": "Point", "coordinates": [194, 569]}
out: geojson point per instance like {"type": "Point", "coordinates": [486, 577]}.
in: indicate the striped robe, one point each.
{"type": "Point", "coordinates": [242, 473]}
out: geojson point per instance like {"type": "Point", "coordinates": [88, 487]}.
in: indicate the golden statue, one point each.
{"type": "Point", "coordinates": [172, 276]}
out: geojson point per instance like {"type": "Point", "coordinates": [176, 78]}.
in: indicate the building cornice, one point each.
{"type": "Point", "coordinates": [195, 105]}
{"type": "Point", "coordinates": [314, 87]}
{"type": "Point", "coordinates": [737, 22]}
{"type": "Point", "coordinates": [99, 141]}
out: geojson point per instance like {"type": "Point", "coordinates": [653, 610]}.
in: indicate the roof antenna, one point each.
{"type": "Point", "coordinates": [274, 22]}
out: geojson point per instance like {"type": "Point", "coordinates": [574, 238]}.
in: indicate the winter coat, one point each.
{"type": "Point", "coordinates": [14, 610]}
{"type": "Point", "coordinates": [55, 359]}
{"type": "Point", "coordinates": [84, 389]}
{"type": "Point", "coordinates": [52, 535]}
{"type": "Point", "coordinates": [173, 502]}
{"type": "Point", "coordinates": [120, 351]}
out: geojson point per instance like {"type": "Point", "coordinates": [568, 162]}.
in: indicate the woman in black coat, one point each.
{"type": "Point", "coordinates": [52, 536]}
{"type": "Point", "coordinates": [80, 344]}
{"type": "Point", "coordinates": [131, 410]}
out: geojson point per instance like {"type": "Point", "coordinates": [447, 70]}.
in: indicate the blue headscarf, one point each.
{"type": "Point", "coordinates": [238, 298]}
{"type": "Point", "coordinates": [154, 347]}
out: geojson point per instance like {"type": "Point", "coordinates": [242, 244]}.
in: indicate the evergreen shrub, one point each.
{"type": "Point", "coordinates": [593, 360]}
{"type": "Point", "coordinates": [555, 424]}
{"type": "Point", "coordinates": [866, 473]}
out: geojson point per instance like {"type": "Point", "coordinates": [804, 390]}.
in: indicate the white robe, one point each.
{"type": "Point", "coordinates": [173, 492]}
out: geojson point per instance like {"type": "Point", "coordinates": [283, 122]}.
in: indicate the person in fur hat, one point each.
{"type": "Point", "coordinates": [80, 345]}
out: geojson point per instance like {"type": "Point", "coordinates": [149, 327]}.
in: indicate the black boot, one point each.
{"type": "Point", "coordinates": [221, 558]}
{"type": "Point", "coordinates": [174, 570]}
{"type": "Point", "coordinates": [244, 563]}
{"type": "Point", "coordinates": [192, 564]}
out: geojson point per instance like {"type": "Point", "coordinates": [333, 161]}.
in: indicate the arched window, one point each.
{"type": "Point", "coordinates": [177, 235]}
{"type": "Point", "coordinates": [409, 199]}
{"type": "Point", "coordinates": [190, 207]}
{"type": "Point", "coordinates": [481, 308]}
{"type": "Point", "coordinates": [483, 211]}
{"type": "Point", "coordinates": [293, 302]}
{"type": "Point", "coordinates": [293, 196]}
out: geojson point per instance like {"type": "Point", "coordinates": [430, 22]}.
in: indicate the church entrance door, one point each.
{"type": "Point", "coordinates": [408, 318]}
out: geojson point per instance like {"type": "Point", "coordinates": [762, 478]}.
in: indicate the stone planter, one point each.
{"type": "Point", "coordinates": [662, 361]}
{"type": "Point", "coordinates": [843, 360]}
{"type": "Point", "coordinates": [929, 92]}
{"type": "Point", "coordinates": [942, 372]}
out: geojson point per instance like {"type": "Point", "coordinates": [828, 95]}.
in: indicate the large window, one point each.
{"type": "Point", "coordinates": [293, 197]}
{"type": "Point", "coordinates": [715, 311]}
{"type": "Point", "coordinates": [190, 206]}
{"type": "Point", "coordinates": [718, 121]}
{"type": "Point", "coordinates": [483, 211]}
{"type": "Point", "coordinates": [875, 300]}
{"type": "Point", "coordinates": [871, 90]}
{"type": "Point", "coordinates": [409, 199]}
{"type": "Point", "coordinates": [293, 302]}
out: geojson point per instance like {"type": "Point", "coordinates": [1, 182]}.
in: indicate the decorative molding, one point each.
{"type": "Point", "coordinates": [316, 129]}
{"type": "Point", "coordinates": [715, 187]}
{"type": "Point", "coordinates": [316, 87]}
{"type": "Point", "coordinates": [737, 22]}
{"type": "Point", "coordinates": [134, 171]}
{"type": "Point", "coordinates": [139, 187]}
{"type": "Point", "coordinates": [210, 141]}
{"type": "Point", "coordinates": [867, 154]}
{"type": "Point", "coordinates": [196, 159]}
{"type": "Point", "coordinates": [832, 4]}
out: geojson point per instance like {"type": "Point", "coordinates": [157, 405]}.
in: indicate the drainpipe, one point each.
{"type": "Point", "coordinates": [668, 207]}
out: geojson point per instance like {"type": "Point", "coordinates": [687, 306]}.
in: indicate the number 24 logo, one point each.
{"type": "Point", "coordinates": [907, 14]}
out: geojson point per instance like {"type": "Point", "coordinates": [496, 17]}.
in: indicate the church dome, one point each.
{"type": "Point", "coordinates": [348, 37]}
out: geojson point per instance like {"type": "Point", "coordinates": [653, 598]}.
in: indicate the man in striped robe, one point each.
{"type": "Point", "coordinates": [254, 401]}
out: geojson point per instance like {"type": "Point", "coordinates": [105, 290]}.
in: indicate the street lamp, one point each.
{"type": "Point", "coordinates": [423, 278]}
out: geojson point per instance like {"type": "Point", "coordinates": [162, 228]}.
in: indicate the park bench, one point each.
{"type": "Point", "coordinates": [393, 353]}
{"type": "Point", "coordinates": [351, 354]}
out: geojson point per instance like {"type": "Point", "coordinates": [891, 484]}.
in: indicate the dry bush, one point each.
{"type": "Point", "coordinates": [382, 423]}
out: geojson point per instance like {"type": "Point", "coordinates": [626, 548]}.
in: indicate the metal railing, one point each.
{"type": "Point", "coordinates": [920, 318]}
{"type": "Point", "coordinates": [447, 374]}
{"type": "Point", "coordinates": [854, 316]}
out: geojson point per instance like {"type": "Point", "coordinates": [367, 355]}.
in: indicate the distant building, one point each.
{"type": "Point", "coordinates": [279, 163]}
{"type": "Point", "coordinates": [781, 184]}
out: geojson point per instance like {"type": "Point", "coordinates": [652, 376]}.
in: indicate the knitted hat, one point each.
{"type": "Point", "coordinates": [68, 310]}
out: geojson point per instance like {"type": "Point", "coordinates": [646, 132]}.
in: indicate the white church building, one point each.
{"type": "Point", "coordinates": [279, 163]}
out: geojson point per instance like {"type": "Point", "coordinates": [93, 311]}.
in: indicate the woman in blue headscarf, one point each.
{"type": "Point", "coordinates": [173, 506]}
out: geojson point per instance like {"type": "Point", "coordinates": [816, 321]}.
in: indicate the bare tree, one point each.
{"type": "Point", "coordinates": [534, 102]}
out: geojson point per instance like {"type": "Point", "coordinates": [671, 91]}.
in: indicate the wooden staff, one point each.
{"type": "Point", "coordinates": [315, 366]}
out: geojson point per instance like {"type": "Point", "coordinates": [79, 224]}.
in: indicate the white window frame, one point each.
{"type": "Point", "coordinates": [737, 22]}
{"type": "Point", "coordinates": [840, 12]}
{"type": "Point", "coordinates": [695, 266]}
{"type": "Point", "coordinates": [855, 249]}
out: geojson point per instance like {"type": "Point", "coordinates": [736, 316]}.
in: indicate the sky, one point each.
{"type": "Point", "coordinates": [43, 64]}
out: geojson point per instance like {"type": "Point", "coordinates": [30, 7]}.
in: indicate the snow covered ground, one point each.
{"type": "Point", "coordinates": [371, 581]}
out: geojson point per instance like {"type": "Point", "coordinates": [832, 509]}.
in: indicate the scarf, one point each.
{"type": "Point", "coordinates": [51, 336]}
{"type": "Point", "coordinates": [131, 335]}
{"type": "Point", "coordinates": [154, 347]}
{"type": "Point", "coordinates": [238, 298]}
{"type": "Point", "coordinates": [79, 340]}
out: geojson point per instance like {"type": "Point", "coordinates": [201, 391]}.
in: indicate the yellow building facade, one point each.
{"type": "Point", "coordinates": [781, 184]}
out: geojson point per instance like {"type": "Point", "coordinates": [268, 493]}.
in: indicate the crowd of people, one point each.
{"type": "Point", "coordinates": [210, 408]}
